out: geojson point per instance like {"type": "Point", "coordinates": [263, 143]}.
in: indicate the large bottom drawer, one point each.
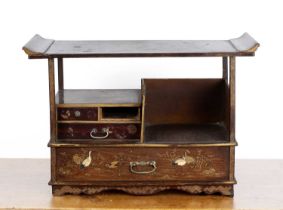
{"type": "Point", "coordinates": [142, 164]}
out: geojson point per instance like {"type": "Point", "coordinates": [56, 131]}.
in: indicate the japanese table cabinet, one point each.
{"type": "Point", "coordinates": [170, 134]}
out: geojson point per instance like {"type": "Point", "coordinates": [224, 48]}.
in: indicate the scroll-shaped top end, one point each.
{"type": "Point", "coordinates": [37, 46]}
{"type": "Point", "coordinates": [245, 43]}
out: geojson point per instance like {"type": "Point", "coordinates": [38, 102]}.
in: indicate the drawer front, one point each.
{"type": "Point", "coordinates": [98, 131]}
{"type": "Point", "coordinates": [90, 114]}
{"type": "Point", "coordinates": [142, 164]}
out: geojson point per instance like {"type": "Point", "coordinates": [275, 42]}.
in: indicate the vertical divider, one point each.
{"type": "Point", "coordinates": [225, 74]}
{"type": "Point", "coordinates": [99, 113]}
{"type": "Point", "coordinates": [232, 69]}
{"type": "Point", "coordinates": [142, 111]}
{"type": "Point", "coordinates": [60, 74]}
{"type": "Point", "coordinates": [52, 116]}
{"type": "Point", "coordinates": [52, 99]}
{"type": "Point", "coordinates": [225, 69]}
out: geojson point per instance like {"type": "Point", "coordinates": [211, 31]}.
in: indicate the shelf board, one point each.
{"type": "Point", "coordinates": [59, 143]}
{"type": "Point", "coordinates": [101, 142]}
{"type": "Point", "coordinates": [39, 47]}
{"type": "Point", "coordinates": [98, 97]}
{"type": "Point", "coordinates": [186, 134]}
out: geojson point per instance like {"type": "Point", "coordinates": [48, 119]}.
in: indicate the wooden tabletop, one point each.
{"type": "Point", "coordinates": [39, 47]}
{"type": "Point", "coordinates": [23, 185]}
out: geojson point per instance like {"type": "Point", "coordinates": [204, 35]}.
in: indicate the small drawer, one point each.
{"type": "Point", "coordinates": [142, 164]}
{"type": "Point", "coordinates": [98, 132]}
{"type": "Point", "coordinates": [90, 114]}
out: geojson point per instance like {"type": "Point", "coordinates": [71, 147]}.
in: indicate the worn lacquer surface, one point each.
{"type": "Point", "coordinates": [98, 131]}
{"type": "Point", "coordinates": [39, 47]}
{"type": "Point", "coordinates": [77, 113]}
{"type": "Point", "coordinates": [201, 164]}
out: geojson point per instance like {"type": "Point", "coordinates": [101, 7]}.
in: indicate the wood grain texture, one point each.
{"type": "Point", "coordinates": [39, 47]}
{"type": "Point", "coordinates": [232, 96]}
{"type": "Point", "coordinates": [225, 69]}
{"type": "Point", "coordinates": [186, 133]}
{"type": "Point", "coordinates": [259, 187]}
{"type": "Point", "coordinates": [225, 76]}
{"type": "Point", "coordinates": [52, 99]}
{"type": "Point", "coordinates": [60, 74]}
{"type": "Point", "coordinates": [183, 101]}
{"type": "Point", "coordinates": [94, 97]}
{"type": "Point", "coordinates": [53, 165]}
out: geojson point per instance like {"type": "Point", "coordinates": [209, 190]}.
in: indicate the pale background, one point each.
{"type": "Point", "coordinates": [24, 111]}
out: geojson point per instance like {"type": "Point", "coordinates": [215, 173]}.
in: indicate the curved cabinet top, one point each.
{"type": "Point", "coordinates": [39, 47]}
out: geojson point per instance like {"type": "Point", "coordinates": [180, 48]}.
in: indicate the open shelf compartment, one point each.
{"type": "Point", "coordinates": [120, 113]}
{"type": "Point", "coordinates": [185, 111]}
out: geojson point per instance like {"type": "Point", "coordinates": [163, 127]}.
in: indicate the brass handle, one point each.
{"type": "Point", "coordinates": [94, 131]}
{"type": "Point", "coordinates": [142, 163]}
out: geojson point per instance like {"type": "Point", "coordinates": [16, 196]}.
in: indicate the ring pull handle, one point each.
{"type": "Point", "coordinates": [94, 131]}
{"type": "Point", "coordinates": [142, 163]}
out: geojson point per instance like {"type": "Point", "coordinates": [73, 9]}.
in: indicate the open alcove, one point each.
{"type": "Point", "coordinates": [184, 111]}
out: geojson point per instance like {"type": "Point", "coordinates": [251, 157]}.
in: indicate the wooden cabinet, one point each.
{"type": "Point", "coordinates": [169, 134]}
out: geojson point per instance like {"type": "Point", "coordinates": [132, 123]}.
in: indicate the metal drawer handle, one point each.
{"type": "Point", "coordinates": [142, 163]}
{"type": "Point", "coordinates": [94, 131]}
